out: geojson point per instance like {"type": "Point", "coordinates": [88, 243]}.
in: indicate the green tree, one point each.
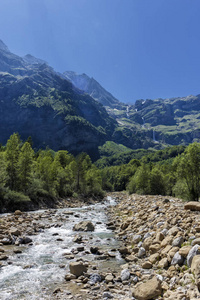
{"type": "Point", "coordinates": [12, 156]}
{"type": "Point", "coordinates": [156, 182]}
{"type": "Point", "coordinates": [25, 166]}
{"type": "Point", "coordinates": [79, 167]}
{"type": "Point", "coordinates": [45, 171]}
{"type": "Point", "coordinates": [93, 182]}
{"type": "Point", "coordinates": [189, 170]}
{"type": "Point", "coordinates": [139, 183]}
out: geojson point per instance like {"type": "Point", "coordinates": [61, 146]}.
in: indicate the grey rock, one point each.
{"type": "Point", "coordinates": [6, 241]}
{"type": "Point", "coordinates": [141, 252]}
{"type": "Point", "coordinates": [107, 295]}
{"type": "Point", "coordinates": [27, 240]}
{"type": "Point", "coordinates": [84, 226]}
{"type": "Point", "coordinates": [94, 278]}
{"type": "Point", "coordinates": [178, 242]}
{"type": "Point", "coordinates": [77, 239]}
{"type": "Point", "coordinates": [177, 259]}
{"type": "Point", "coordinates": [146, 236]}
{"type": "Point", "coordinates": [159, 224]}
{"type": "Point", "coordinates": [135, 279]}
{"type": "Point", "coordinates": [194, 251]}
{"type": "Point", "coordinates": [137, 238]}
{"type": "Point", "coordinates": [125, 275]}
{"type": "Point", "coordinates": [164, 231]}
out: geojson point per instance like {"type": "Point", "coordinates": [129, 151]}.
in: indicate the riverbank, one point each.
{"type": "Point", "coordinates": [160, 235]}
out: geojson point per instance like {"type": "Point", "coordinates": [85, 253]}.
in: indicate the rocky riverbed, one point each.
{"type": "Point", "coordinates": [145, 247]}
{"type": "Point", "coordinates": [161, 246]}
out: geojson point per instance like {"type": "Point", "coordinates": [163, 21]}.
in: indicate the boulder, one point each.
{"type": "Point", "coordinates": [15, 231]}
{"type": "Point", "coordinates": [69, 277]}
{"type": "Point", "coordinates": [136, 238]}
{"type": "Point", "coordinates": [6, 241]}
{"type": "Point", "coordinates": [77, 268]}
{"type": "Point", "coordinates": [192, 205]}
{"type": "Point", "coordinates": [24, 240]}
{"type": "Point", "coordinates": [195, 242]}
{"type": "Point", "coordinates": [107, 295]}
{"type": "Point", "coordinates": [177, 259]}
{"type": "Point", "coordinates": [109, 278]}
{"type": "Point", "coordinates": [194, 251]}
{"type": "Point", "coordinates": [77, 239]}
{"type": "Point", "coordinates": [178, 241]}
{"type": "Point", "coordinates": [147, 290]}
{"type": "Point", "coordinates": [94, 278]}
{"type": "Point", "coordinates": [84, 226]}
{"type": "Point", "coordinates": [147, 265]}
{"type": "Point", "coordinates": [94, 250]}
{"type": "Point", "coordinates": [18, 213]}
{"type": "Point", "coordinates": [163, 263]}
{"type": "Point", "coordinates": [125, 275]}
{"type": "Point", "coordinates": [141, 252]}
{"type": "Point", "coordinates": [184, 251]}
{"type": "Point", "coordinates": [154, 248]}
{"type": "Point", "coordinates": [195, 268]}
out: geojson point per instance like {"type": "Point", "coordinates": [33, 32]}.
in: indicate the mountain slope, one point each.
{"type": "Point", "coordinates": [35, 101]}
{"type": "Point", "coordinates": [166, 121]}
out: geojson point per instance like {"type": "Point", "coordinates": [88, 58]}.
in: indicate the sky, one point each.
{"type": "Point", "coordinates": [136, 49]}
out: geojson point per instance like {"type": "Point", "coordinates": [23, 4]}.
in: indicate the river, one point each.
{"type": "Point", "coordinates": [41, 267]}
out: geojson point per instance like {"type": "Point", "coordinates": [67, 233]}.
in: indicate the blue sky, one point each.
{"type": "Point", "coordinates": [134, 48]}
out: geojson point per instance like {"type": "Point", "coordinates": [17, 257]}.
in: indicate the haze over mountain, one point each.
{"type": "Point", "coordinates": [93, 88]}
{"type": "Point", "coordinates": [74, 112]}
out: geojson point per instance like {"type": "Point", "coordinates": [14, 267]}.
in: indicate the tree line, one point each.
{"type": "Point", "coordinates": [174, 171]}
{"type": "Point", "coordinates": [28, 175]}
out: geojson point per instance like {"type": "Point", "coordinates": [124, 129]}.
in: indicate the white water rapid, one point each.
{"type": "Point", "coordinates": [34, 273]}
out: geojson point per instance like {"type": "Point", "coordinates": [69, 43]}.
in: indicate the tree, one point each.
{"type": "Point", "coordinates": [139, 183]}
{"type": "Point", "coordinates": [12, 156]}
{"type": "Point", "coordinates": [156, 182]}
{"type": "Point", "coordinates": [63, 158]}
{"type": "Point", "coordinates": [45, 171]}
{"type": "Point", "coordinates": [189, 170]}
{"type": "Point", "coordinates": [79, 167]}
{"type": "Point", "coordinates": [93, 182]}
{"type": "Point", "coordinates": [25, 166]}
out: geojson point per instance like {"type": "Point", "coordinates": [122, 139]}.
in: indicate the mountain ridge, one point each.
{"type": "Point", "coordinates": [74, 112]}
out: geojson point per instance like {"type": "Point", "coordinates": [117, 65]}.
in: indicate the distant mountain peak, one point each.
{"type": "Point", "coordinates": [92, 87]}
{"type": "Point", "coordinates": [3, 46]}
{"type": "Point", "coordinates": [30, 59]}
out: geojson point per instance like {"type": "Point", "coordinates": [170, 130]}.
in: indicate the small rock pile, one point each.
{"type": "Point", "coordinates": [161, 245]}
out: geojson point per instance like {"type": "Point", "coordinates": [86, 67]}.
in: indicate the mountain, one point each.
{"type": "Point", "coordinates": [166, 122]}
{"type": "Point", "coordinates": [35, 101]}
{"type": "Point", "coordinates": [30, 59]}
{"type": "Point", "coordinates": [74, 112]}
{"type": "Point", "coordinates": [93, 88]}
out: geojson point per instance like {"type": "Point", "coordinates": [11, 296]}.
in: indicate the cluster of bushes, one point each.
{"type": "Point", "coordinates": [26, 175]}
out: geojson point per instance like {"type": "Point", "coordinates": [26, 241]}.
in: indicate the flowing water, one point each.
{"type": "Point", "coordinates": [34, 273]}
